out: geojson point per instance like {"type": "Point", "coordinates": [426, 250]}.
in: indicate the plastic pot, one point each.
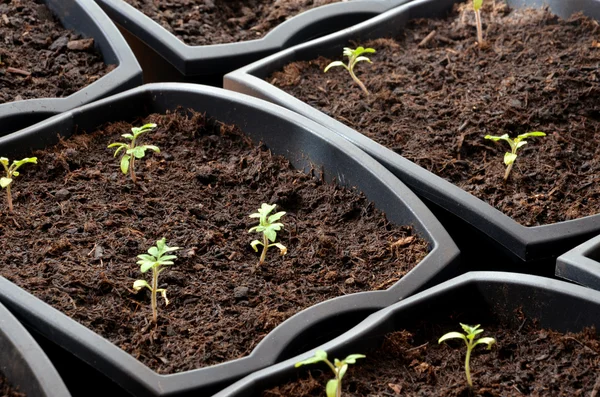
{"type": "Point", "coordinates": [87, 19]}
{"type": "Point", "coordinates": [24, 363]}
{"type": "Point", "coordinates": [166, 58]}
{"type": "Point", "coordinates": [553, 304]}
{"type": "Point", "coordinates": [477, 227]}
{"type": "Point", "coordinates": [307, 145]}
{"type": "Point", "coordinates": [581, 264]}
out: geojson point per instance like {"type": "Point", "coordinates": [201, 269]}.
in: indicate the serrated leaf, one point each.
{"type": "Point", "coordinates": [153, 251]}
{"type": "Point", "coordinates": [4, 182]}
{"type": "Point", "coordinates": [146, 257]}
{"type": "Point", "coordinates": [146, 265]}
{"type": "Point", "coordinates": [276, 217]}
{"type": "Point", "coordinates": [509, 158]}
{"type": "Point", "coordinates": [138, 152]}
{"type": "Point", "coordinates": [271, 234]}
{"type": "Point", "coordinates": [125, 164]}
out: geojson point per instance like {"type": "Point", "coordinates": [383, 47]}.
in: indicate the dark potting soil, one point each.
{"type": "Point", "coordinates": [79, 225]}
{"type": "Point", "coordinates": [434, 103]}
{"type": "Point", "coordinates": [6, 390]}
{"type": "Point", "coordinates": [39, 58]}
{"type": "Point", "coordinates": [206, 22]}
{"type": "Point", "coordinates": [526, 362]}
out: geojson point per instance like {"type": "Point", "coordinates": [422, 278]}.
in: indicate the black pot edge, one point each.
{"type": "Point", "coordinates": [382, 322]}
{"type": "Point", "coordinates": [203, 60]}
{"type": "Point", "coordinates": [525, 243]}
{"type": "Point", "coordinates": [577, 266]}
{"type": "Point", "coordinates": [88, 19]}
{"type": "Point", "coordinates": [24, 363]}
{"type": "Point", "coordinates": [441, 263]}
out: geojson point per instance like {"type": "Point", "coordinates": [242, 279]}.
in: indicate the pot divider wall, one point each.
{"type": "Point", "coordinates": [477, 227]}
{"type": "Point", "coordinates": [478, 296]}
{"type": "Point", "coordinates": [24, 363]}
{"type": "Point", "coordinates": [307, 145]}
{"type": "Point", "coordinates": [166, 58]}
{"type": "Point", "coordinates": [581, 264]}
{"type": "Point", "coordinates": [86, 18]}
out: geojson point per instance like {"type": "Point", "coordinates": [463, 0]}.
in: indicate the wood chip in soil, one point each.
{"type": "Point", "coordinates": [79, 225]}
{"type": "Point", "coordinates": [206, 22]}
{"type": "Point", "coordinates": [434, 104]}
{"type": "Point", "coordinates": [527, 362]}
{"type": "Point", "coordinates": [41, 59]}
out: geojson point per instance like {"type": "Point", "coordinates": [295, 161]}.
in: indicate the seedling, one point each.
{"type": "Point", "coordinates": [339, 368]}
{"type": "Point", "coordinates": [471, 342]}
{"type": "Point", "coordinates": [155, 259]}
{"type": "Point", "coordinates": [269, 227]}
{"type": "Point", "coordinates": [477, 7]}
{"type": "Point", "coordinates": [515, 144]}
{"type": "Point", "coordinates": [11, 172]}
{"type": "Point", "coordinates": [354, 57]}
{"type": "Point", "coordinates": [132, 151]}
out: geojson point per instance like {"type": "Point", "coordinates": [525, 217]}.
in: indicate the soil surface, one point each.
{"type": "Point", "coordinates": [39, 58]}
{"type": "Point", "coordinates": [434, 103]}
{"type": "Point", "coordinates": [6, 390]}
{"type": "Point", "coordinates": [206, 22]}
{"type": "Point", "coordinates": [79, 224]}
{"type": "Point", "coordinates": [526, 362]}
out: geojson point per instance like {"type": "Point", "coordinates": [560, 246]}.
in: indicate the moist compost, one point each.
{"type": "Point", "coordinates": [206, 22]}
{"type": "Point", "coordinates": [434, 103]}
{"type": "Point", "coordinates": [6, 390]}
{"type": "Point", "coordinates": [41, 59]}
{"type": "Point", "coordinates": [79, 224]}
{"type": "Point", "coordinates": [526, 362]}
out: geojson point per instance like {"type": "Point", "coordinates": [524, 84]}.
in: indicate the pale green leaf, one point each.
{"type": "Point", "coordinates": [152, 147]}
{"type": "Point", "coordinates": [320, 355]}
{"type": "Point", "coordinates": [530, 134]}
{"type": "Point", "coordinates": [509, 158]}
{"type": "Point", "coordinates": [16, 173]}
{"type": "Point", "coordinates": [343, 371]}
{"type": "Point", "coordinates": [359, 59]}
{"type": "Point", "coordinates": [477, 4]}
{"type": "Point", "coordinates": [139, 284]}
{"type": "Point", "coordinates": [128, 136]}
{"type": "Point", "coordinates": [3, 160]}
{"type": "Point", "coordinates": [17, 163]}
{"type": "Point", "coordinates": [276, 217]}
{"type": "Point", "coordinates": [255, 215]}
{"type": "Point", "coordinates": [138, 152]}
{"type": "Point", "coordinates": [146, 257]}
{"type": "Point", "coordinates": [168, 257]}
{"type": "Point", "coordinates": [331, 388]}
{"type": "Point", "coordinates": [497, 138]}
{"type": "Point", "coordinates": [254, 244]}
{"type": "Point", "coordinates": [521, 143]}
{"type": "Point", "coordinates": [271, 234]}
{"type": "Point", "coordinates": [163, 293]}
{"type": "Point", "coordinates": [488, 341]}
{"type": "Point", "coordinates": [146, 265]}
{"type": "Point", "coordinates": [282, 248]}
{"type": "Point", "coordinates": [4, 182]}
{"type": "Point", "coordinates": [125, 163]}
{"type": "Point", "coordinates": [452, 335]}
{"type": "Point", "coordinates": [351, 359]}
{"type": "Point", "coordinates": [153, 251]}
{"type": "Point", "coordinates": [334, 64]}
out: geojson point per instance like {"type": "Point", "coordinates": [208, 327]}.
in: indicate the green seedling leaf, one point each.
{"type": "Point", "coordinates": [10, 173]}
{"type": "Point", "coordinates": [132, 150]}
{"type": "Point", "coordinates": [354, 56]}
{"type": "Point", "coordinates": [515, 144]}
{"type": "Point", "coordinates": [339, 368]}
{"type": "Point", "coordinates": [4, 182]}
{"type": "Point", "coordinates": [269, 228]}
{"type": "Point", "coordinates": [477, 4]}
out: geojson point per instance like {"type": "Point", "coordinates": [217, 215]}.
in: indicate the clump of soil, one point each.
{"type": "Point", "coordinates": [434, 103]}
{"type": "Point", "coordinates": [79, 225]}
{"type": "Point", "coordinates": [6, 390]}
{"type": "Point", "coordinates": [206, 22]}
{"type": "Point", "coordinates": [527, 362]}
{"type": "Point", "coordinates": [41, 59]}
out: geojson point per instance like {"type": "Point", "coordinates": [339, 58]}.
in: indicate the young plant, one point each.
{"type": "Point", "coordinates": [471, 342]}
{"type": "Point", "coordinates": [132, 151]}
{"type": "Point", "coordinates": [155, 260]}
{"type": "Point", "coordinates": [339, 368]}
{"type": "Point", "coordinates": [354, 57]}
{"type": "Point", "coordinates": [477, 7]}
{"type": "Point", "coordinates": [12, 172]}
{"type": "Point", "coordinates": [515, 144]}
{"type": "Point", "coordinates": [269, 227]}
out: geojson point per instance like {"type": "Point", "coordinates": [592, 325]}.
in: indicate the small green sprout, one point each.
{"type": "Point", "coordinates": [269, 227]}
{"type": "Point", "coordinates": [155, 260]}
{"type": "Point", "coordinates": [354, 57]}
{"type": "Point", "coordinates": [477, 7]}
{"type": "Point", "coordinates": [470, 341]}
{"type": "Point", "coordinates": [12, 172]}
{"type": "Point", "coordinates": [515, 144]}
{"type": "Point", "coordinates": [132, 151]}
{"type": "Point", "coordinates": [339, 368]}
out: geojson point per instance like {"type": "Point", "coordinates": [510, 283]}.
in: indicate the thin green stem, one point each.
{"type": "Point", "coordinates": [479, 28]}
{"type": "Point", "coordinates": [357, 81]}
{"type": "Point", "coordinates": [154, 288]}
{"type": "Point", "coordinates": [507, 172]}
{"type": "Point", "coordinates": [467, 365]}
{"type": "Point", "coordinates": [263, 255]}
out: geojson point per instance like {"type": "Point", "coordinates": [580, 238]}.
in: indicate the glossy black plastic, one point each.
{"type": "Point", "coordinates": [166, 58]}
{"type": "Point", "coordinates": [87, 19]}
{"type": "Point", "coordinates": [491, 296]}
{"type": "Point", "coordinates": [478, 228]}
{"type": "Point", "coordinates": [581, 264]}
{"type": "Point", "coordinates": [307, 145]}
